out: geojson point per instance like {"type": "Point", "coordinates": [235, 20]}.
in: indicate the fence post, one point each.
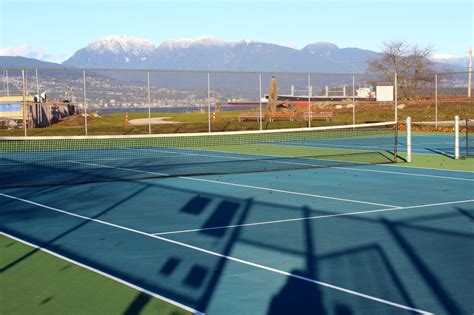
{"type": "Point", "coordinates": [353, 101]}
{"type": "Point", "coordinates": [260, 99]}
{"type": "Point", "coordinates": [408, 139]}
{"type": "Point", "coordinates": [396, 97]}
{"type": "Point", "coordinates": [24, 101]}
{"type": "Point", "coordinates": [456, 137]}
{"type": "Point", "coordinates": [8, 89]}
{"type": "Point", "coordinates": [469, 79]}
{"type": "Point", "coordinates": [39, 107]}
{"type": "Point", "coordinates": [436, 101]}
{"type": "Point", "coordinates": [37, 103]}
{"type": "Point", "coordinates": [149, 103]}
{"type": "Point", "coordinates": [209, 101]}
{"type": "Point", "coordinates": [85, 103]}
{"type": "Point", "coordinates": [309, 100]}
{"type": "Point", "coordinates": [26, 81]}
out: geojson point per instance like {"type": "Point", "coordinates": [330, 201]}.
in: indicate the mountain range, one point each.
{"type": "Point", "coordinates": [207, 53]}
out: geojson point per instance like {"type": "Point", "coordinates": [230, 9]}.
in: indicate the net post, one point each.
{"type": "Point", "coordinates": [395, 144]}
{"type": "Point", "coordinates": [409, 147]}
{"type": "Point", "coordinates": [209, 101]}
{"type": "Point", "coordinates": [467, 138]}
{"type": "Point", "coordinates": [456, 137]}
{"type": "Point", "coordinates": [260, 99]}
{"type": "Point", "coordinates": [149, 102]}
{"type": "Point", "coordinates": [24, 102]}
{"type": "Point", "coordinates": [85, 103]}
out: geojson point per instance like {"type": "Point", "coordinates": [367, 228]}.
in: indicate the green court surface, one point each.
{"type": "Point", "coordinates": [45, 284]}
{"type": "Point", "coordinates": [350, 239]}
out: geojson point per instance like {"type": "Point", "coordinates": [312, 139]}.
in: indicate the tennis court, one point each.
{"type": "Point", "coordinates": [322, 230]}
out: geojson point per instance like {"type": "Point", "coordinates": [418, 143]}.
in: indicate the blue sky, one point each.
{"type": "Point", "coordinates": [54, 30]}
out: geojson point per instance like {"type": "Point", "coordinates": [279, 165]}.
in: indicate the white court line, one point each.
{"type": "Point", "coordinates": [241, 185]}
{"type": "Point", "coordinates": [128, 284]}
{"type": "Point", "coordinates": [428, 168]}
{"type": "Point", "coordinates": [324, 145]}
{"type": "Point", "coordinates": [404, 174]}
{"type": "Point", "coordinates": [314, 217]}
{"type": "Point", "coordinates": [430, 143]}
{"type": "Point", "coordinates": [288, 192]}
{"type": "Point", "coordinates": [238, 260]}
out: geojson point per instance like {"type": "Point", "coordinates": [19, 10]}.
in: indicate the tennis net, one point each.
{"type": "Point", "coordinates": [35, 161]}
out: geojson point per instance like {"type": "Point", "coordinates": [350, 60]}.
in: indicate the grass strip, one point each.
{"type": "Point", "coordinates": [45, 284]}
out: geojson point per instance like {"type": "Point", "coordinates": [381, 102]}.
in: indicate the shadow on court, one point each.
{"type": "Point", "coordinates": [386, 257]}
{"type": "Point", "coordinates": [296, 296]}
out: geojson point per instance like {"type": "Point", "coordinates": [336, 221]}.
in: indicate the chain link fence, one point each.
{"type": "Point", "coordinates": [434, 99]}
{"type": "Point", "coordinates": [452, 96]}
{"type": "Point", "coordinates": [140, 101]}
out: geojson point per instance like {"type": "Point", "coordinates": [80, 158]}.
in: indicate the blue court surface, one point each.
{"type": "Point", "coordinates": [434, 143]}
{"type": "Point", "coordinates": [356, 239]}
{"type": "Point", "coordinates": [422, 143]}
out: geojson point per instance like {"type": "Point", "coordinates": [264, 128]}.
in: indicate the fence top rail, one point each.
{"type": "Point", "coordinates": [211, 71]}
{"type": "Point", "coordinates": [452, 72]}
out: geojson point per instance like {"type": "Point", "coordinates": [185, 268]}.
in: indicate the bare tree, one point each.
{"type": "Point", "coordinates": [411, 63]}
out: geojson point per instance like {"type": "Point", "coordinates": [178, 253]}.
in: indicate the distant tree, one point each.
{"type": "Point", "coordinates": [411, 63]}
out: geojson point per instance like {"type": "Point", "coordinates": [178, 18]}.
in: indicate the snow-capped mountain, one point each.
{"type": "Point", "coordinates": [189, 42]}
{"type": "Point", "coordinates": [112, 51]}
{"type": "Point", "coordinates": [451, 60]}
{"type": "Point", "coordinates": [122, 44]}
{"type": "Point", "coordinates": [214, 54]}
